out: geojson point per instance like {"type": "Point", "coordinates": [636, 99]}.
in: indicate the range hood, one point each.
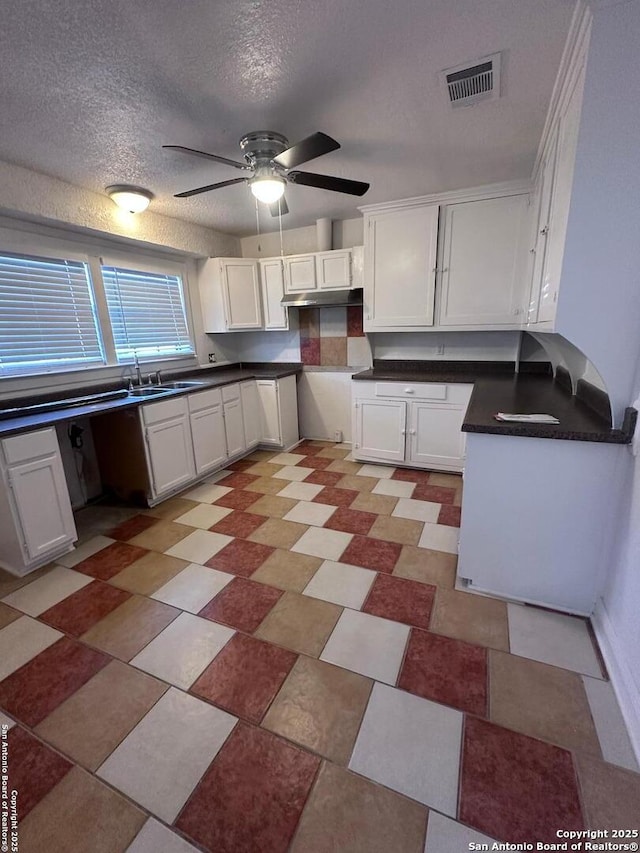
{"type": "Point", "coordinates": [323, 298]}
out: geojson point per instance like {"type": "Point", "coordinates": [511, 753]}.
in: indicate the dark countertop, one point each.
{"type": "Point", "coordinates": [497, 388]}
{"type": "Point", "coordinates": [211, 377]}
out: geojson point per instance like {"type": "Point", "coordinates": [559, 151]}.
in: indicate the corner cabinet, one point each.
{"type": "Point", "coordinates": [36, 519]}
{"type": "Point", "coordinates": [230, 295]}
{"type": "Point", "coordinates": [278, 411]}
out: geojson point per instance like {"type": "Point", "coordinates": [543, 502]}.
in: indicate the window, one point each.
{"type": "Point", "coordinates": [47, 315]}
{"type": "Point", "coordinates": [147, 314]}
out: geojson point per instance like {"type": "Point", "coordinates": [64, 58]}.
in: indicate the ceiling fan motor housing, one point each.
{"type": "Point", "coordinates": [261, 146]}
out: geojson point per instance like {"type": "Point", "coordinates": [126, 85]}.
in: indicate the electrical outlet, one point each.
{"type": "Point", "coordinates": [212, 358]}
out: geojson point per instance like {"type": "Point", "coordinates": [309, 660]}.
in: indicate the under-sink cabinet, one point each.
{"type": "Point", "coordinates": [415, 424]}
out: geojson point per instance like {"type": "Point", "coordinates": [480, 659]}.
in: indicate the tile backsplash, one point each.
{"type": "Point", "coordinates": [333, 337]}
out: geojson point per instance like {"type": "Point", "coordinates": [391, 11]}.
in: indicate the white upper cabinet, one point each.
{"type": "Point", "coordinates": [400, 267]}
{"type": "Point", "coordinates": [483, 267]}
{"type": "Point", "coordinates": [230, 295]}
{"type": "Point", "coordinates": [300, 273]}
{"type": "Point", "coordinates": [333, 270]}
{"type": "Point", "coordinates": [272, 283]}
{"type": "Point", "coordinates": [541, 211]}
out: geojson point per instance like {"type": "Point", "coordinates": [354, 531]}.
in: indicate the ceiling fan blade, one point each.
{"type": "Point", "coordinates": [207, 156]}
{"type": "Point", "coordinates": [307, 149]}
{"type": "Point", "coordinates": [206, 189]}
{"type": "Point", "coordinates": [328, 182]}
{"type": "Point", "coordinates": [284, 208]}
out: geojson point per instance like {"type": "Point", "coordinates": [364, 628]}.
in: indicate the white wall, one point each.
{"type": "Point", "coordinates": [347, 233]}
{"type": "Point", "coordinates": [446, 346]}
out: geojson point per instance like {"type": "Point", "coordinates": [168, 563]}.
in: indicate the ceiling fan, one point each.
{"type": "Point", "coordinates": [270, 159]}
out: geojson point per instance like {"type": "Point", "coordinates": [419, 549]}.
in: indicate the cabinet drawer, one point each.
{"type": "Point", "coordinates": [231, 392]}
{"type": "Point", "coordinates": [156, 412]}
{"type": "Point", "coordinates": [408, 390]}
{"type": "Point", "coordinates": [204, 400]}
{"type": "Point", "coordinates": [20, 448]}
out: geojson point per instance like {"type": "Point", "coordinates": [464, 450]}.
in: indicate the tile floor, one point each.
{"type": "Point", "coordinates": [277, 660]}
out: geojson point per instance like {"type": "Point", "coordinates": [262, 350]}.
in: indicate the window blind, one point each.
{"type": "Point", "coordinates": [47, 315]}
{"type": "Point", "coordinates": [147, 313]}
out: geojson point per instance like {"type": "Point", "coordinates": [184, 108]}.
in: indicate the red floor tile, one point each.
{"type": "Point", "coordinates": [242, 604]}
{"type": "Point", "coordinates": [131, 527]}
{"type": "Point", "coordinates": [315, 462]}
{"type": "Point", "coordinates": [372, 554]}
{"type": "Point", "coordinates": [245, 676]}
{"type": "Point", "coordinates": [240, 557]}
{"type": "Point", "coordinates": [252, 796]}
{"type": "Point", "coordinates": [308, 448]}
{"type": "Point", "coordinates": [238, 523]}
{"type": "Point", "coordinates": [237, 480]}
{"type": "Point", "coordinates": [82, 609]}
{"type": "Point", "coordinates": [32, 692]}
{"type": "Point", "coordinates": [447, 671]}
{"type": "Point", "coordinates": [401, 600]}
{"type": "Point", "coordinates": [111, 560]}
{"type": "Point", "coordinates": [435, 494]}
{"type": "Point", "coordinates": [407, 475]}
{"type": "Point", "coordinates": [240, 465]}
{"type": "Point", "coordinates": [238, 499]}
{"type": "Point", "coordinates": [450, 515]}
{"type": "Point", "coordinates": [516, 788]}
{"type": "Point", "coordinates": [335, 497]}
{"type": "Point", "coordinates": [351, 520]}
{"type": "Point", "coordinates": [33, 769]}
{"type": "Point", "coordinates": [324, 478]}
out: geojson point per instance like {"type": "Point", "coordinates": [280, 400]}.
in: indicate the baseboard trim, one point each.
{"type": "Point", "coordinates": [622, 681]}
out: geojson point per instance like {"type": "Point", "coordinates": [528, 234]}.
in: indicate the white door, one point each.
{"type": "Point", "coordinates": [234, 427]}
{"type": "Point", "coordinates": [42, 503]}
{"type": "Point", "coordinates": [241, 292]}
{"type": "Point", "coordinates": [170, 454]}
{"type": "Point", "coordinates": [540, 235]}
{"type": "Point", "coordinates": [300, 273]}
{"type": "Point", "coordinates": [272, 281]}
{"type": "Point", "coordinates": [333, 270]}
{"type": "Point", "coordinates": [400, 267]}
{"type": "Point", "coordinates": [483, 262]}
{"type": "Point", "coordinates": [381, 429]}
{"type": "Point", "coordinates": [209, 441]}
{"type": "Point", "coordinates": [435, 436]}
{"type": "Point", "coordinates": [269, 411]}
{"type": "Point", "coordinates": [251, 413]}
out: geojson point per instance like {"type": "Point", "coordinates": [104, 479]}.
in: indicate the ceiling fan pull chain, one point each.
{"type": "Point", "coordinates": [258, 226]}
{"type": "Point", "coordinates": [280, 224]}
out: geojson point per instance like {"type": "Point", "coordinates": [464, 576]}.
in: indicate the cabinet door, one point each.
{"type": "Point", "coordinates": [170, 454]}
{"type": "Point", "coordinates": [272, 282]}
{"type": "Point", "coordinates": [483, 263]}
{"type": "Point", "coordinates": [209, 441]}
{"type": "Point", "coordinates": [270, 424]}
{"type": "Point", "coordinates": [333, 270]}
{"type": "Point", "coordinates": [42, 503]}
{"type": "Point", "coordinates": [251, 413]}
{"type": "Point", "coordinates": [241, 292]}
{"type": "Point", "coordinates": [435, 436]}
{"type": "Point", "coordinates": [300, 273]}
{"type": "Point", "coordinates": [400, 267]}
{"type": "Point", "coordinates": [381, 429]}
{"type": "Point", "coordinates": [541, 224]}
{"type": "Point", "coordinates": [234, 427]}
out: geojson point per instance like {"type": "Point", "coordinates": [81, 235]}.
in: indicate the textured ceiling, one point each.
{"type": "Point", "coordinates": [91, 90]}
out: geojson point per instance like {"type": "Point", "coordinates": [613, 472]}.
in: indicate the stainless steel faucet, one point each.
{"type": "Point", "coordinates": [138, 371]}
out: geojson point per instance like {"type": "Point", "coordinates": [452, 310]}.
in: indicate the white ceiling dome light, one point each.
{"type": "Point", "coordinates": [268, 188]}
{"type": "Point", "coordinates": [130, 198]}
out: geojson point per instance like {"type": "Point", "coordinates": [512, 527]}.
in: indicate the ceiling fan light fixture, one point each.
{"type": "Point", "coordinates": [267, 189]}
{"type": "Point", "coordinates": [130, 198]}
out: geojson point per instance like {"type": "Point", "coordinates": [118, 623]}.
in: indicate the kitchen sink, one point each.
{"type": "Point", "coordinates": [148, 391]}
{"type": "Point", "coordinates": [186, 384]}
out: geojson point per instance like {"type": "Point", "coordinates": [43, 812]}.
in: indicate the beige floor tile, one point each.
{"type": "Point", "coordinates": [199, 546]}
{"type": "Point", "coordinates": [262, 455]}
{"type": "Point", "coordinates": [421, 564]}
{"type": "Point", "coordinates": [333, 453]}
{"type": "Point", "coordinates": [457, 501]}
{"type": "Point", "coordinates": [263, 469]}
{"type": "Point", "coordinates": [129, 628]}
{"type": "Point", "coordinates": [168, 510]}
{"type": "Point", "coordinates": [358, 484]}
{"type": "Point", "coordinates": [473, 618]}
{"type": "Point", "coordinates": [404, 531]}
{"type": "Point", "coordinates": [341, 466]}
{"type": "Point", "coordinates": [81, 814]}
{"type": "Point", "coordinates": [380, 504]}
{"type": "Point", "coordinates": [348, 813]}
{"type": "Point", "coordinates": [205, 493]}
{"type": "Point", "coordinates": [149, 573]}
{"type": "Point", "coordinates": [278, 533]}
{"type": "Point", "coordinates": [286, 570]}
{"type": "Point", "coordinates": [542, 701]}
{"type": "Point", "coordinates": [163, 535]}
{"type": "Point", "coordinates": [273, 506]}
{"type": "Point", "coordinates": [7, 615]}
{"type": "Point", "coordinates": [611, 795]}
{"type": "Point", "coordinates": [9, 583]}
{"type": "Point", "coordinates": [203, 516]}
{"type": "Point", "coordinates": [43, 593]}
{"type": "Point", "coordinates": [300, 623]}
{"type": "Point", "coordinates": [320, 706]}
{"type": "Point", "coordinates": [449, 481]}
{"type": "Point", "coordinates": [193, 588]}
{"type": "Point", "coordinates": [92, 722]}
{"type": "Point", "coordinates": [21, 641]}
{"type": "Point", "coordinates": [266, 486]}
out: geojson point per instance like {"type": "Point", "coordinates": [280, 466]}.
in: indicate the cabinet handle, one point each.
{"type": "Point", "coordinates": [412, 432]}
{"type": "Point", "coordinates": [545, 231]}
{"type": "Point", "coordinates": [403, 431]}
{"type": "Point", "coordinates": [409, 390]}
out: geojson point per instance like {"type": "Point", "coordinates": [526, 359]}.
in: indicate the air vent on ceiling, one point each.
{"type": "Point", "coordinates": [472, 82]}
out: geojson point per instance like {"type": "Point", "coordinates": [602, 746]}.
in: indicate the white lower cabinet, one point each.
{"type": "Point", "coordinates": [169, 448]}
{"type": "Point", "coordinates": [251, 413]}
{"type": "Point", "coordinates": [36, 519]}
{"type": "Point", "coordinates": [233, 420]}
{"type": "Point", "coordinates": [207, 430]}
{"type": "Point", "coordinates": [422, 430]}
{"type": "Point", "coordinates": [278, 411]}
